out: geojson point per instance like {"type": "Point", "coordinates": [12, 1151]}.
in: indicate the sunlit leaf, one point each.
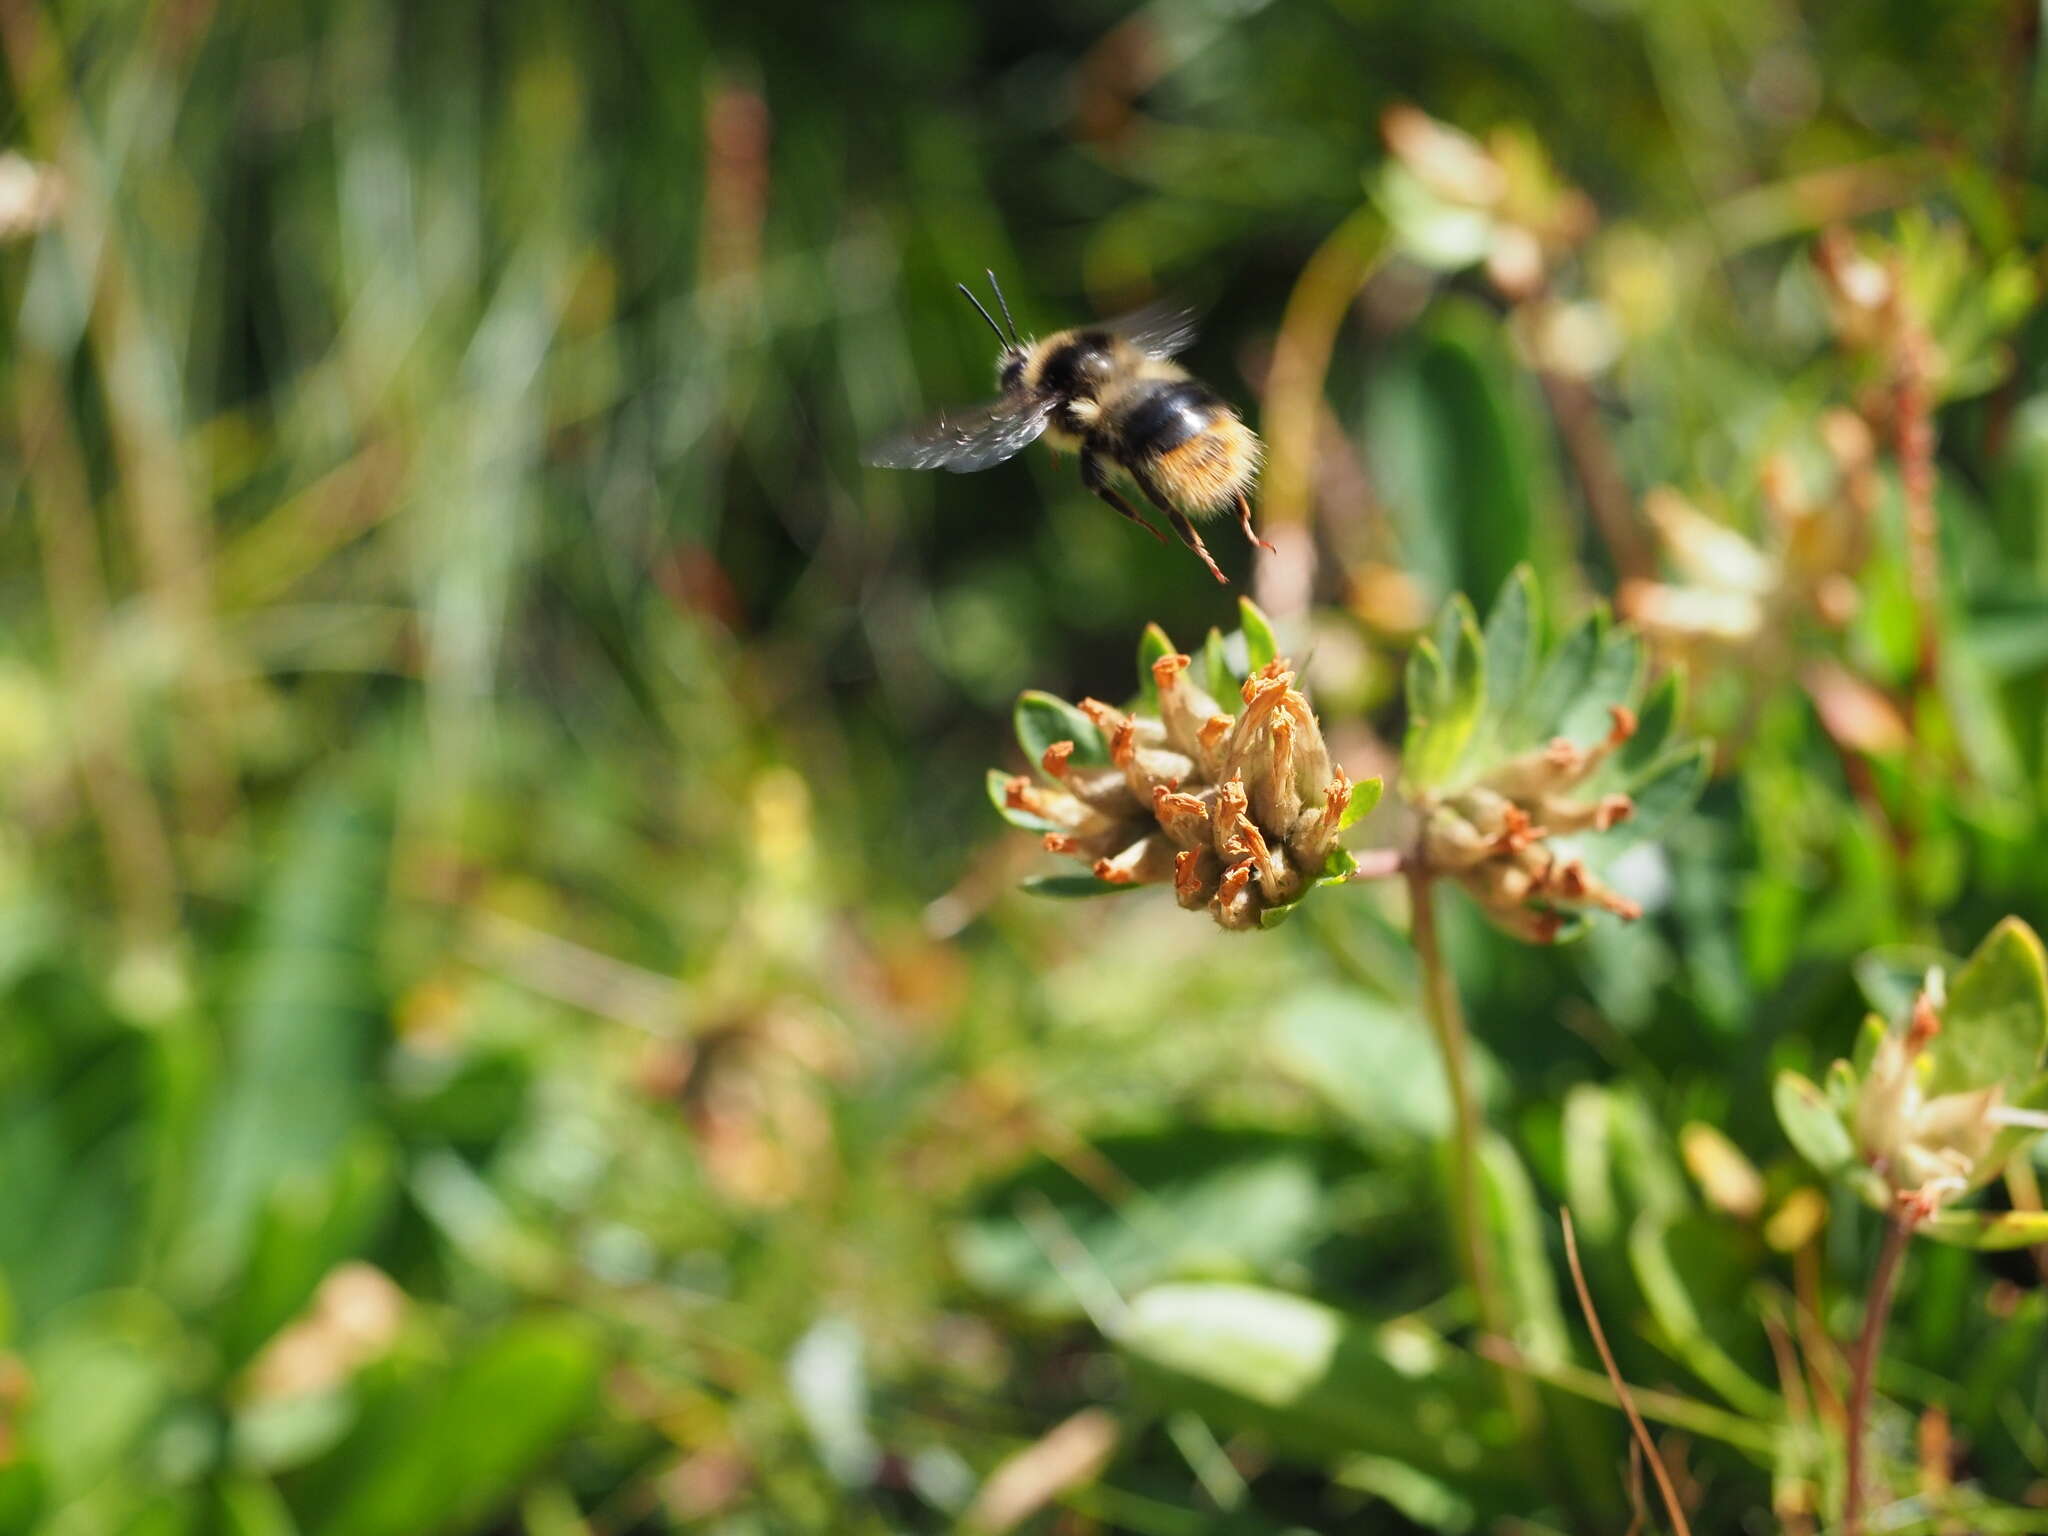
{"type": "Point", "coordinates": [1259, 644]}
{"type": "Point", "coordinates": [1042, 720]}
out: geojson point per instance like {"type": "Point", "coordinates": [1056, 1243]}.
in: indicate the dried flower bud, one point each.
{"type": "Point", "coordinates": [1239, 812]}
{"type": "Point", "coordinates": [1492, 837]}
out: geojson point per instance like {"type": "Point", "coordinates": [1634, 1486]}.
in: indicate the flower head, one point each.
{"type": "Point", "coordinates": [1924, 1147]}
{"type": "Point", "coordinates": [1526, 771]}
{"type": "Point", "coordinates": [1494, 836]}
{"type": "Point", "coordinates": [1238, 808]}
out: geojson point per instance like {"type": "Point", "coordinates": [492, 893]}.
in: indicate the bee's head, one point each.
{"type": "Point", "coordinates": [1010, 367]}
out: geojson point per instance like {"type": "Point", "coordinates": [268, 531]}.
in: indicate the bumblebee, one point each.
{"type": "Point", "coordinates": [1112, 394]}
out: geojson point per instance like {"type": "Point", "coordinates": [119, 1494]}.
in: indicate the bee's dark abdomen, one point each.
{"type": "Point", "coordinates": [1170, 413]}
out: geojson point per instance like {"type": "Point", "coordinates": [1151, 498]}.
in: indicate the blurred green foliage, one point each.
{"type": "Point", "coordinates": [514, 1014]}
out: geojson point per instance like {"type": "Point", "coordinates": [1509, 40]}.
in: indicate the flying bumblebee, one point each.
{"type": "Point", "coordinates": [1113, 394]}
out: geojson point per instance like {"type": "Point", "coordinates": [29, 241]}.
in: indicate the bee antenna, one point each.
{"type": "Point", "coordinates": [982, 311]}
{"type": "Point", "coordinates": [1006, 307]}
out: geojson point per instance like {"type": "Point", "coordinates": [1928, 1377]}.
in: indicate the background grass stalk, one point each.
{"type": "Point", "coordinates": [1863, 1367]}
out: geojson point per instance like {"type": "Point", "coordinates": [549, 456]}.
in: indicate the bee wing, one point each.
{"type": "Point", "coordinates": [1164, 328]}
{"type": "Point", "coordinates": [966, 440]}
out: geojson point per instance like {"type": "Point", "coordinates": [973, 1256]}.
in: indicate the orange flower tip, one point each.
{"type": "Point", "coordinates": [1336, 797]}
{"type": "Point", "coordinates": [1055, 760]}
{"type": "Point", "coordinates": [1105, 716]}
{"type": "Point", "coordinates": [1106, 871]}
{"type": "Point", "coordinates": [1187, 873]}
{"type": "Point", "coordinates": [1562, 753]}
{"type": "Point", "coordinates": [1166, 670]}
{"type": "Point", "coordinates": [1235, 879]}
{"type": "Point", "coordinates": [1019, 794]}
{"type": "Point", "coordinates": [1061, 842]}
{"type": "Point", "coordinates": [1213, 730]}
{"type": "Point", "coordinates": [1624, 724]}
{"type": "Point", "coordinates": [1612, 811]}
{"type": "Point", "coordinates": [1925, 1025]}
{"type": "Point", "coordinates": [1123, 743]}
{"type": "Point", "coordinates": [1546, 927]}
{"type": "Point", "coordinates": [1628, 911]}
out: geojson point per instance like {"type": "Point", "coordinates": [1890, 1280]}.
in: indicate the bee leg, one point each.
{"type": "Point", "coordinates": [1091, 476]}
{"type": "Point", "coordinates": [1180, 522]}
{"type": "Point", "coordinates": [1244, 521]}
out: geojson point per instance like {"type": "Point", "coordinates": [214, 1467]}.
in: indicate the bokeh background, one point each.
{"type": "Point", "coordinates": [514, 1010]}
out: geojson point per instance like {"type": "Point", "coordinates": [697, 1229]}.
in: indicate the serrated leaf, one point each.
{"type": "Point", "coordinates": [1995, 1026]}
{"type": "Point", "coordinates": [1987, 1231]}
{"type": "Point", "coordinates": [1042, 720]}
{"type": "Point", "coordinates": [1811, 1124]}
{"type": "Point", "coordinates": [1260, 647]}
{"type": "Point", "coordinates": [1511, 641]}
{"type": "Point", "coordinates": [1365, 795]}
{"type": "Point", "coordinates": [1454, 671]}
{"type": "Point", "coordinates": [1152, 645]}
{"type": "Point", "coordinates": [998, 796]}
{"type": "Point", "coordinates": [1220, 681]}
{"type": "Point", "coordinates": [1559, 686]}
{"type": "Point", "coordinates": [1654, 724]}
{"type": "Point", "coordinates": [1612, 679]}
{"type": "Point", "coordinates": [1067, 887]}
{"type": "Point", "coordinates": [1667, 789]}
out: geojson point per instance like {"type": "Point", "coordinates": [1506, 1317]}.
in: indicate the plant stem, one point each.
{"type": "Point", "coordinates": [1863, 1368]}
{"type": "Point", "coordinates": [1447, 1023]}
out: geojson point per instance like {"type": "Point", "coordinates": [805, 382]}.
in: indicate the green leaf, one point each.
{"type": "Point", "coordinates": [1259, 645]}
{"type": "Point", "coordinates": [1461, 449]}
{"type": "Point", "coordinates": [305, 1032]}
{"type": "Point", "coordinates": [1511, 641]}
{"type": "Point", "coordinates": [310, 1223]}
{"type": "Point", "coordinates": [1812, 1124]}
{"type": "Point", "coordinates": [1995, 1026]}
{"type": "Point", "coordinates": [1067, 887]}
{"type": "Point", "coordinates": [440, 1450]}
{"type": "Point", "coordinates": [1042, 720]}
{"type": "Point", "coordinates": [1337, 869]}
{"type": "Point", "coordinates": [1515, 1226]}
{"type": "Point", "coordinates": [1365, 795]}
{"type": "Point", "coordinates": [104, 1370]}
{"type": "Point", "coordinates": [998, 796]}
{"type": "Point", "coordinates": [1654, 724]}
{"type": "Point", "coordinates": [1152, 645]}
{"type": "Point", "coordinates": [1668, 1285]}
{"type": "Point", "coordinates": [1559, 686]}
{"type": "Point", "coordinates": [1313, 1381]}
{"type": "Point", "coordinates": [1988, 1231]}
{"type": "Point", "coordinates": [1221, 681]}
{"type": "Point", "coordinates": [1612, 679]}
{"type": "Point", "coordinates": [1370, 1059]}
{"type": "Point", "coordinates": [1186, 1201]}
{"type": "Point", "coordinates": [1452, 672]}
{"type": "Point", "coordinates": [1668, 789]}
{"type": "Point", "coordinates": [1868, 1038]}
